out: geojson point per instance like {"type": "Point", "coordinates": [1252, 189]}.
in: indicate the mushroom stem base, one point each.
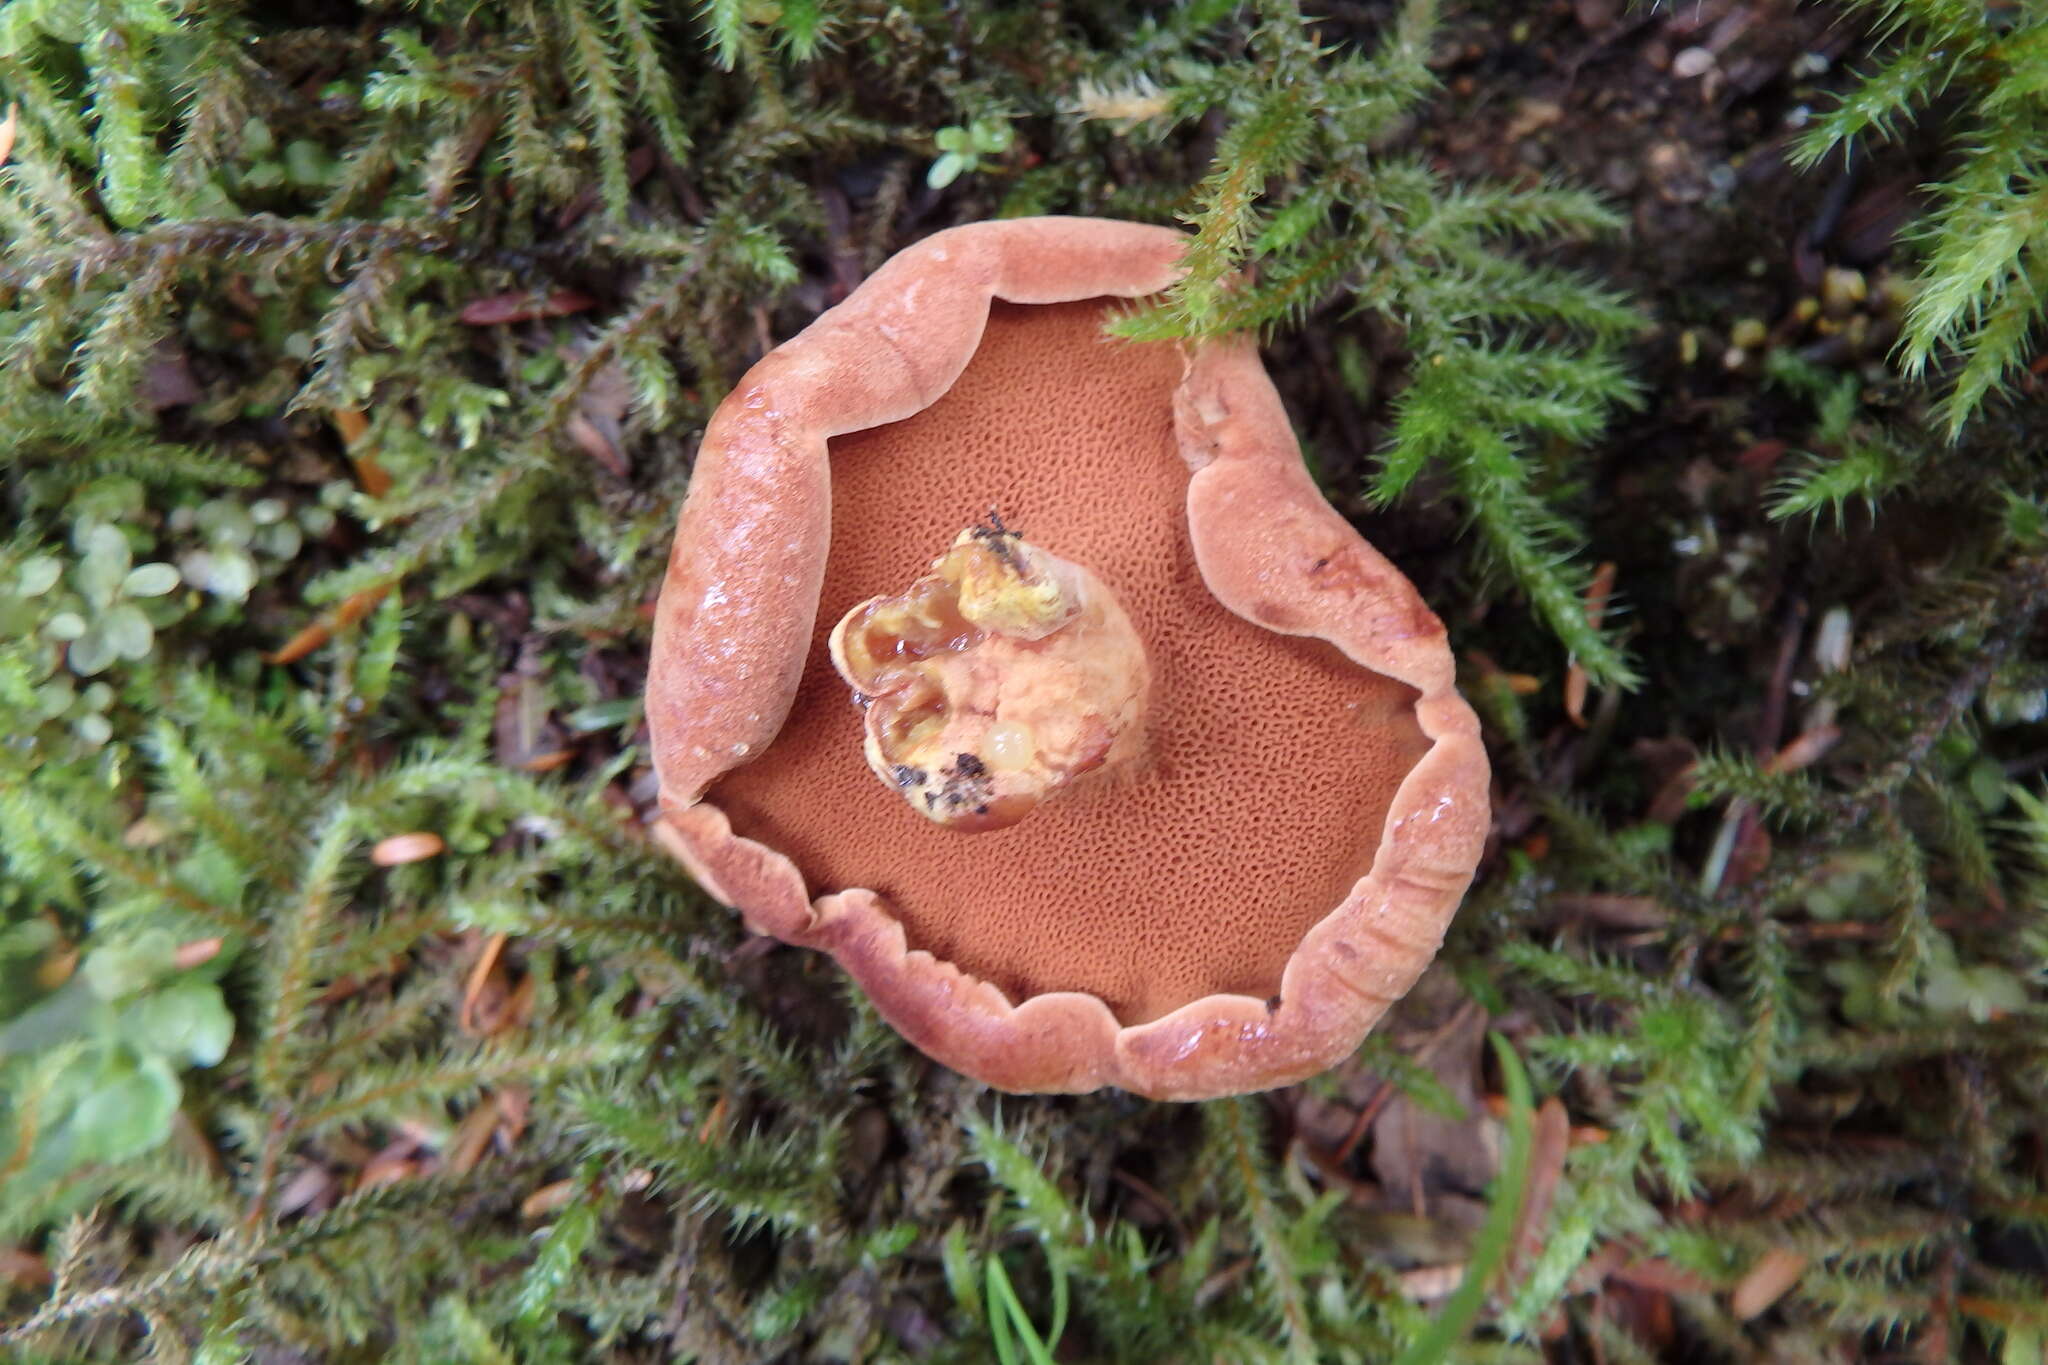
{"type": "Point", "coordinates": [993, 681]}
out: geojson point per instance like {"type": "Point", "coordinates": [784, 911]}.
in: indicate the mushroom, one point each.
{"type": "Point", "coordinates": [1230, 796]}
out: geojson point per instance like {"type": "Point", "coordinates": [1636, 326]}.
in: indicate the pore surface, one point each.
{"type": "Point", "coordinates": [1270, 760]}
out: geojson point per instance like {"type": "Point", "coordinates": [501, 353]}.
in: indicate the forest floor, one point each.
{"type": "Point", "coordinates": [382, 1031]}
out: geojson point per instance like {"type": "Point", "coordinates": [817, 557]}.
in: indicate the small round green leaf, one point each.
{"type": "Point", "coordinates": [38, 575]}
{"type": "Point", "coordinates": [256, 138]}
{"type": "Point", "coordinates": [127, 631]}
{"type": "Point", "coordinates": [90, 653]}
{"type": "Point", "coordinates": [233, 573]}
{"type": "Point", "coordinates": [226, 522]}
{"type": "Point", "coordinates": [281, 541]}
{"type": "Point", "coordinates": [150, 580]}
{"type": "Point", "coordinates": [106, 563]}
{"type": "Point", "coordinates": [54, 698]}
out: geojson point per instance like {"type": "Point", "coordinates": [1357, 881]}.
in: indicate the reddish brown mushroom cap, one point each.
{"type": "Point", "coordinates": [1233, 910]}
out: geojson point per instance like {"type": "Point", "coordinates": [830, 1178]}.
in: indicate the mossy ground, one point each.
{"type": "Point", "coordinates": [391, 330]}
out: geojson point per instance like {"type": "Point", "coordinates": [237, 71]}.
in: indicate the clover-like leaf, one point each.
{"type": "Point", "coordinates": [187, 1022]}
{"type": "Point", "coordinates": [125, 965]}
{"type": "Point", "coordinates": [1982, 992]}
{"type": "Point", "coordinates": [988, 136]}
{"type": "Point", "coordinates": [128, 1108]}
{"type": "Point", "coordinates": [105, 565]}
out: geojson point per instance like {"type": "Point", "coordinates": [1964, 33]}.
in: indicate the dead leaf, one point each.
{"type": "Point", "coordinates": [1520, 684]}
{"type": "Point", "coordinates": [1752, 852]}
{"type": "Point", "coordinates": [639, 162]}
{"type": "Point", "coordinates": [399, 849]}
{"type": "Point", "coordinates": [1552, 1142]}
{"type": "Point", "coordinates": [191, 1144]}
{"type": "Point", "coordinates": [515, 1102]}
{"type": "Point", "coordinates": [56, 969]}
{"type": "Point", "coordinates": [1643, 1314]}
{"type": "Point", "coordinates": [18, 1265]}
{"type": "Point", "coordinates": [1759, 458]}
{"type": "Point", "coordinates": [375, 479]}
{"type": "Point", "coordinates": [1362, 1125]}
{"type": "Point", "coordinates": [398, 1161]}
{"type": "Point", "coordinates": [345, 614]}
{"type": "Point", "coordinates": [166, 380]}
{"type": "Point", "coordinates": [486, 994]}
{"type": "Point", "coordinates": [1529, 116]}
{"type": "Point", "coordinates": [1430, 1281]}
{"type": "Point", "coordinates": [1769, 1280]}
{"type": "Point", "coordinates": [597, 425]}
{"type": "Point", "coordinates": [519, 1009]}
{"type": "Point", "coordinates": [472, 1136]}
{"type": "Point", "coordinates": [311, 1189]}
{"type": "Point", "coordinates": [1222, 1282]}
{"type": "Point", "coordinates": [1805, 751]}
{"type": "Point", "coordinates": [524, 305]}
{"type": "Point", "coordinates": [198, 950]}
{"type": "Point", "coordinates": [713, 1121]}
{"type": "Point", "coordinates": [522, 730]}
{"type": "Point", "coordinates": [1670, 767]}
{"type": "Point", "coordinates": [1596, 14]}
{"type": "Point", "coordinates": [548, 1199]}
{"type": "Point", "coordinates": [1654, 1272]}
{"type": "Point", "coordinates": [1576, 681]}
{"type": "Point", "coordinates": [1417, 1154]}
{"type": "Point", "coordinates": [1613, 911]}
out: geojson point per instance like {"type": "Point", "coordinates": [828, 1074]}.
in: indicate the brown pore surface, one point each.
{"type": "Point", "coordinates": [1271, 760]}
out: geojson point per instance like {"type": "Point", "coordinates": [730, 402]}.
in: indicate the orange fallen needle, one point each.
{"type": "Point", "coordinates": [345, 614]}
{"type": "Point", "coordinates": [374, 477]}
{"type": "Point", "coordinates": [376, 481]}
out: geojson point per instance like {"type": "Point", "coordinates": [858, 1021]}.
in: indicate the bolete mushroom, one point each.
{"type": "Point", "coordinates": [1203, 796]}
